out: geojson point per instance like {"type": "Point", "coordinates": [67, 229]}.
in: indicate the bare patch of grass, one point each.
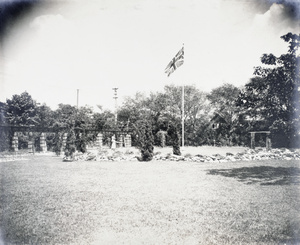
{"type": "Point", "coordinates": [47, 201]}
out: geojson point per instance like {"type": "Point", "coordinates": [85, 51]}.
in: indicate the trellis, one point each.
{"type": "Point", "coordinates": [268, 139]}
{"type": "Point", "coordinates": [124, 139]}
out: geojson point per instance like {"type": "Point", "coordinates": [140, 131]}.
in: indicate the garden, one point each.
{"type": "Point", "coordinates": [47, 201]}
{"type": "Point", "coordinates": [215, 190]}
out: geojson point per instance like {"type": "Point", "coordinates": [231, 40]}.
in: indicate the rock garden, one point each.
{"type": "Point", "coordinates": [132, 154]}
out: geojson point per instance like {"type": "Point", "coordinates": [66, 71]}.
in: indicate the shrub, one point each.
{"type": "Point", "coordinates": [57, 143]}
{"type": "Point", "coordinates": [5, 140]}
{"type": "Point", "coordinates": [145, 140]}
{"type": "Point", "coordinates": [173, 134]}
{"type": "Point", "coordinates": [70, 145]}
{"type": "Point", "coordinates": [81, 142]}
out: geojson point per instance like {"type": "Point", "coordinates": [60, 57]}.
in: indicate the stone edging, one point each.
{"type": "Point", "coordinates": [247, 155]}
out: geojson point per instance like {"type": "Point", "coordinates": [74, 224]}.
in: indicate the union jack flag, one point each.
{"type": "Point", "coordinates": [176, 62]}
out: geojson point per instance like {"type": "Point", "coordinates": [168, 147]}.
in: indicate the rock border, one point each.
{"type": "Point", "coordinates": [247, 155]}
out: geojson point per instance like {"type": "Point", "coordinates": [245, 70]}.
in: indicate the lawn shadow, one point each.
{"type": "Point", "coordinates": [264, 175]}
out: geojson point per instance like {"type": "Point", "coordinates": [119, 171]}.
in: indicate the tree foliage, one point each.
{"type": "Point", "coordinates": [70, 144]}
{"type": "Point", "coordinates": [225, 113]}
{"type": "Point", "coordinates": [175, 140]}
{"type": "Point", "coordinates": [5, 136]}
{"type": "Point", "coordinates": [145, 140]}
{"type": "Point", "coordinates": [21, 110]}
{"type": "Point", "coordinates": [271, 99]}
{"type": "Point", "coordinates": [161, 108]}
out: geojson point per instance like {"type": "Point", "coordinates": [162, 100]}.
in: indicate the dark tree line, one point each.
{"type": "Point", "coordinates": [270, 101]}
{"type": "Point", "coordinates": [23, 110]}
{"type": "Point", "coordinates": [225, 116]}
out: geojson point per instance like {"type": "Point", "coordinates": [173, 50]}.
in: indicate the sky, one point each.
{"type": "Point", "coordinates": [54, 48]}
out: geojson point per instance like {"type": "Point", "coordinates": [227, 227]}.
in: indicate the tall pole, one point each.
{"type": "Point", "coordinates": [182, 119]}
{"type": "Point", "coordinates": [77, 97]}
{"type": "Point", "coordinates": [183, 110]}
{"type": "Point", "coordinates": [116, 104]}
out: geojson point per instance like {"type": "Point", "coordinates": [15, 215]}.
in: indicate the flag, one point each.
{"type": "Point", "coordinates": [175, 62]}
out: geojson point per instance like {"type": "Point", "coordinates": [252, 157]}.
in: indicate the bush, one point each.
{"type": "Point", "coordinates": [57, 142]}
{"type": "Point", "coordinates": [81, 142]}
{"type": "Point", "coordinates": [145, 141]}
{"type": "Point", "coordinates": [70, 145]}
{"type": "Point", "coordinates": [174, 138]}
{"type": "Point", "coordinates": [5, 140]}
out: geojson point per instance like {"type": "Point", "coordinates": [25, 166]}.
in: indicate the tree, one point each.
{"type": "Point", "coordinates": [63, 120]}
{"type": "Point", "coordinates": [70, 144]}
{"type": "Point", "coordinates": [104, 120]}
{"type": "Point", "coordinates": [56, 142]}
{"type": "Point", "coordinates": [156, 113]}
{"type": "Point", "coordinates": [79, 120]}
{"type": "Point", "coordinates": [133, 112]}
{"type": "Point", "coordinates": [145, 140]}
{"type": "Point", "coordinates": [44, 116]}
{"type": "Point", "coordinates": [161, 108]}
{"type": "Point", "coordinates": [225, 112]}
{"type": "Point", "coordinates": [272, 97]}
{"type": "Point", "coordinates": [21, 110]}
{"type": "Point", "coordinates": [2, 113]}
{"type": "Point", "coordinates": [175, 140]}
{"type": "Point", "coordinates": [195, 110]}
{"type": "Point", "coordinates": [83, 121]}
{"type": "Point", "coordinates": [133, 109]}
{"type": "Point", "coordinates": [65, 115]}
{"type": "Point", "coordinates": [4, 135]}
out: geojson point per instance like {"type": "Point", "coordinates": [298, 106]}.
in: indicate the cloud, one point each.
{"type": "Point", "coordinates": [276, 22]}
{"type": "Point", "coordinates": [12, 11]}
{"type": "Point", "coordinates": [42, 21]}
{"type": "Point", "coordinates": [274, 18]}
{"type": "Point", "coordinates": [127, 44]}
{"type": "Point", "coordinates": [291, 8]}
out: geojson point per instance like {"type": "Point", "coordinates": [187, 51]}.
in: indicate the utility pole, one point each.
{"type": "Point", "coordinates": [116, 104]}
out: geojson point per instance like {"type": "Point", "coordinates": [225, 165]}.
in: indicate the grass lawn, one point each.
{"type": "Point", "coordinates": [202, 150]}
{"type": "Point", "coordinates": [47, 201]}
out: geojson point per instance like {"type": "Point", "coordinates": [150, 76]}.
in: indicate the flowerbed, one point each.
{"type": "Point", "coordinates": [247, 155]}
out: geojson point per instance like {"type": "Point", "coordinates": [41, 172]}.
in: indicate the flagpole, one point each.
{"type": "Point", "coordinates": [182, 119]}
{"type": "Point", "coordinates": [77, 98]}
{"type": "Point", "coordinates": [171, 67]}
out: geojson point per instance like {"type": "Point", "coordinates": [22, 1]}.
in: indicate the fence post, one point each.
{"type": "Point", "coordinates": [43, 143]}
{"type": "Point", "coordinates": [113, 142]}
{"type": "Point", "coordinates": [252, 140]}
{"type": "Point", "coordinates": [64, 142]}
{"type": "Point", "coordinates": [128, 141]}
{"type": "Point", "coordinates": [15, 142]}
{"type": "Point", "coordinates": [268, 142]}
{"type": "Point", "coordinates": [99, 142]}
{"type": "Point", "coordinates": [30, 146]}
{"type": "Point", "coordinates": [121, 141]}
